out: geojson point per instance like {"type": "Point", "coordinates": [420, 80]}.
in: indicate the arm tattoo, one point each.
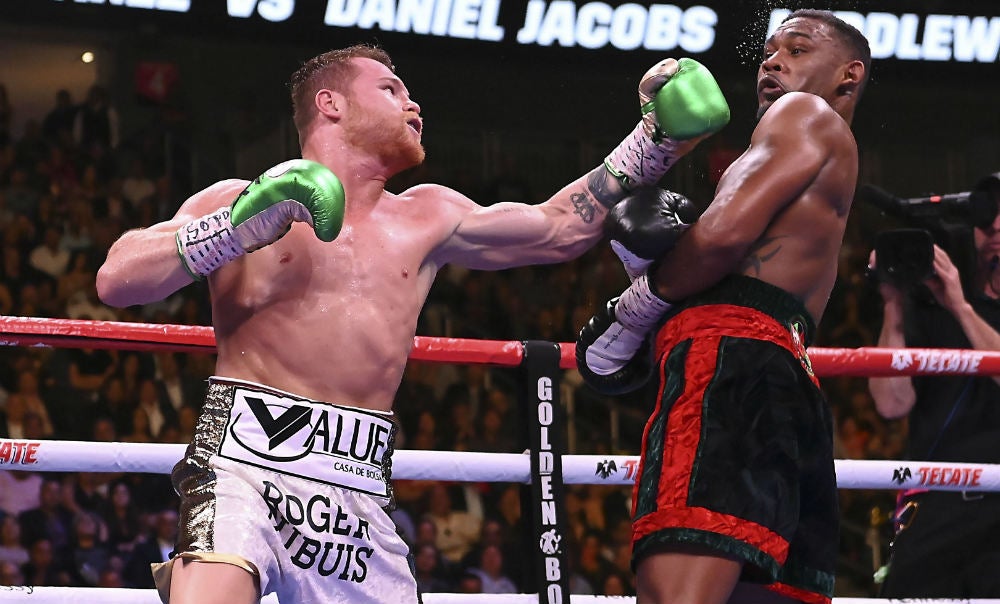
{"type": "Point", "coordinates": [583, 206]}
{"type": "Point", "coordinates": [605, 188]}
{"type": "Point", "coordinates": [757, 256]}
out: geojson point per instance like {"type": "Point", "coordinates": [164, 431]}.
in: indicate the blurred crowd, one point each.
{"type": "Point", "coordinates": [73, 182]}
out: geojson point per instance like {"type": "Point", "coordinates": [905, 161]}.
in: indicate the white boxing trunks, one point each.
{"type": "Point", "coordinates": [293, 491]}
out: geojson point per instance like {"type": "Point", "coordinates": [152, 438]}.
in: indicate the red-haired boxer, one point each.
{"type": "Point", "coordinates": [284, 484]}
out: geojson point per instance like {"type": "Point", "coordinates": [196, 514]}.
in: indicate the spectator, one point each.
{"type": "Point", "coordinates": [87, 491]}
{"type": "Point", "coordinates": [111, 577]}
{"type": "Point", "coordinates": [61, 170]}
{"type": "Point", "coordinates": [13, 416]}
{"type": "Point", "coordinates": [44, 567]}
{"type": "Point", "coordinates": [490, 572]}
{"type": "Point", "coordinates": [90, 555]}
{"type": "Point", "coordinates": [591, 564]}
{"type": "Point", "coordinates": [22, 197]}
{"type": "Point", "coordinates": [10, 574]}
{"type": "Point", "coordinates": [492, 435]}
{"type": "Point", "coordinates": [77, 236]}
{"type": "Point", "coordinates": [157, 410]}
{"type": "Point", "coordinates": [77, 277]}
{"type": "Point", "coordinates": [494, 533]}
{"type": "Point", "coordinates": [457, 530]}
{"type": "Point", "coordinates": [96, 124]}
{"type": "Point", "coordinates": [431, 577]}
{"type": "Point", "coordinates": [121, 516]}
{"type": "Point", "coordinates": [34, 428]}
{"type": "Point", "coordinates": [12, 550]}
{"type": "Point", "coordinates": [103, 430]}
{"type": "Point", "coordinates": [20, 490]}
{"type": "Point", "coordinates": [114, 407]}
{"type": "Point", "coordinates": [187, 419]}
{"type": "Point", "coordinates": [469, 583]}
{"type": "Point", "coordinates": [33, 149]}
{"type": "Point", "coordinates": [85, 304]}
{"type": "Point", "coordinates": [88, 369]}
{"type": "Point", "coordinates": [427, 534]}
{"type": "Point", "coordinates": [424, 436]}
{"type": "Point", "coordinates": [137, 188]}
{"type": "Point", "coordinates": [139, 431]}
{"type": "Point", "coordinates": [26, 399]}
{"type": "Point", "coordinates": [17, 275]}
{"type": "Point", "coordinates": [58, 122]}
{"type": "Point", "coordinates": [615, 584]}
{"type": "Point", "coordinates": [50, 521]}
{"type": "Point", "coordinates": [175, 386]}
{"type": "Point", "coordinates": [156, 548]}
{"type": "Point", "coordinates": [92, 188]}
{"type": "Point", "coordinates": [460, 432]}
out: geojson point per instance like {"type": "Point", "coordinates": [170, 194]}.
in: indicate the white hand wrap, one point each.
{"type": "Point", "coordinates": [206, 243]}
{"type": "Point", "coordinates": [638, 161]}
{"type": "Point", "coordinates": [613, 349]}
{"type": "Point", "coordinates": [637, 311]}
{"type": "Point", "coordinates": [635, 266]}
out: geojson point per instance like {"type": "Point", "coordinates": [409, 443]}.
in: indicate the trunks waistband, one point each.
{"type": "Point", "coordinates": [347, 447]}
{"type": "Point", "coordinates": [740, 290]}
{"type": "Point", "coordinates": [746, 308]}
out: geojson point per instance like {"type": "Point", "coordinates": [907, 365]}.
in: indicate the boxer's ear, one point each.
{"type": "Point", "coordinates": [330, 103]}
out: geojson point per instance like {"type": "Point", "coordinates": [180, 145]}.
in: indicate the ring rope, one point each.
{"type": "Point", "coordinates": [117, 595]}
{"type": "Point", "coordinates": [826, 362]}
{"type": "Point", "coordinates": [466, 466]}
{"type": "Point", "coordinates": [461, 466]}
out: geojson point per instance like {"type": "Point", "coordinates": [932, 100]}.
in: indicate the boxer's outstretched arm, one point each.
{"type": "Point", "coordinates": [681, 104]}
{"type": "Point", "coordinates": [513, 234]}
{"type": "Point", "coordinates": [143, 267]}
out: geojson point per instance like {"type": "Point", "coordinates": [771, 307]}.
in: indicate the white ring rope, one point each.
{"type": "Point", "coordinates": [464, 466]}
{"type": "Point", "coordinates": [108, 595]}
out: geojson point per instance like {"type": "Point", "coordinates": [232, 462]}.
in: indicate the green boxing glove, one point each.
{"type": "Point", "coordinates": [681, 104]}
{"type": "Point", "coordinates": [297, 190]}
{"type": "Point", "coordinates": [681, 100]}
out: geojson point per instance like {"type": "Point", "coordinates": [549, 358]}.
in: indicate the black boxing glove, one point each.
{"type": "Point", "coordinates": [613, 350]}
{"type": "Point", "coordinates": [646, 225]}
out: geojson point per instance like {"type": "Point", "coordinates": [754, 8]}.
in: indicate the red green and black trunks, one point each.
{"type": "Point", "coordinates": [737, 455]}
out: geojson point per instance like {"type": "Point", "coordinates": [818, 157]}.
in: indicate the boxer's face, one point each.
{"type": "Point", "coordinates": [802, 55]}
{"type": "Point", "coordinates": [381, 118]}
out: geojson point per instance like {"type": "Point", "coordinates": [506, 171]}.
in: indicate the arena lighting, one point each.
{"type": "Point", "coordinates": [87, 57]}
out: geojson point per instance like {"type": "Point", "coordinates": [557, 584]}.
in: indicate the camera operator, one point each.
{"type": "Point", "coordinates": [947, 543]}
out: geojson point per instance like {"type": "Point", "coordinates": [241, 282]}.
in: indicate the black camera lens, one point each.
{"type": "Point", "coordinates": [904, 257]}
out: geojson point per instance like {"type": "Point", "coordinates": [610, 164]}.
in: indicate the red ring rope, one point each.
{"type": "Point", "coordinates": [862, 362]}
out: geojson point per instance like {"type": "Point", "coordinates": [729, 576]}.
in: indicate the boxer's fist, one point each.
{"type": "Point", "coordinates": [611, 358]}
{"type": "Point", "coordinates": [298, 190]}
{"type": "Point", "coordinates": [612, 350]}
{"type": "Point", "coordinates": [681, 104]}
{"type": "Point", "coordinates": [646, 225]}
{"type": "Point", "coordinates": [680, 99]}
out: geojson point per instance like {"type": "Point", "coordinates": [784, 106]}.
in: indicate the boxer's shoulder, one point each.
{"type": "Point", "coordinates": [213, 197]}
